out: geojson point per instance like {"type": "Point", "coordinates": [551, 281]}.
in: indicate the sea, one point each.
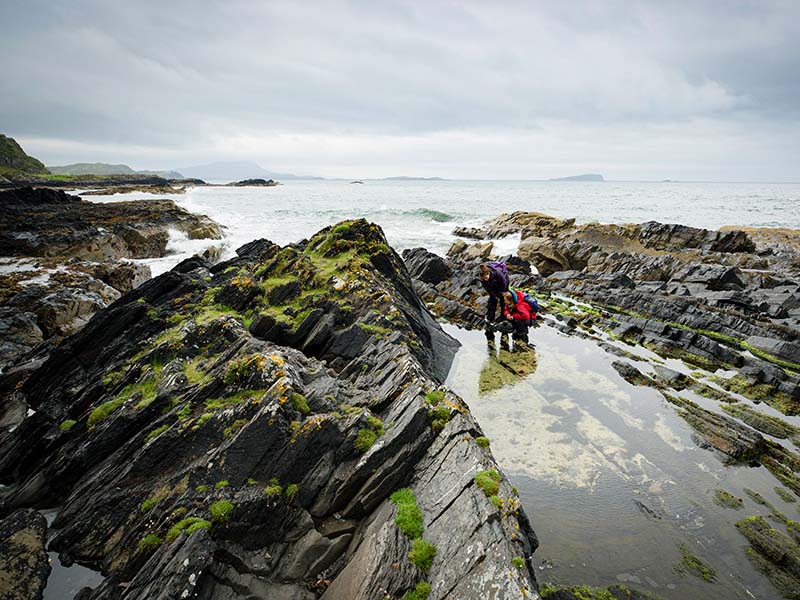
{"type": "Point", "coordinates": [424, 213]}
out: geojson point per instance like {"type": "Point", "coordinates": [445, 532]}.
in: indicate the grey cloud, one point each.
{"type": "Point", "coordinates": [178, 74]}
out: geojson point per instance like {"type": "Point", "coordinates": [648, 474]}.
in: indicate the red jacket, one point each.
{"type": "Point", "coordinates": [520, 310]}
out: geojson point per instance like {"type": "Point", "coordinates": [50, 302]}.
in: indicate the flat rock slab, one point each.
{"type": "Point", "coordinates": [24, 565]}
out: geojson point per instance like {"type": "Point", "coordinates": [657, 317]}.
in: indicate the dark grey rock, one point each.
{"type": "Point", "coordinates": [426, 266]}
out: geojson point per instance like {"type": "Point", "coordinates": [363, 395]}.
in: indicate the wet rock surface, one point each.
{"type": "Point", "coordinates": [719, 305]}
{"type": "Point", "coordinates": [711, 298]}
{"type": "Point", "coordinates": [208, 437]}
{"type": "Point", "coordinates": [43, 222]}
{"type": "Point", "coordinates": [62, 261]}
{"type": "Point", "coordinates": [24, 565]}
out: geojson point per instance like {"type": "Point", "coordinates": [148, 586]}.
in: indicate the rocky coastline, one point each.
{"type": "Point", "coordinates": [273, 426]}
{"type": "Point", "coordinates": [276, 425]}
{"type": "Point", "coordinates": [62, 260]}
{"type": "Point", "coordinates": [723, 303]}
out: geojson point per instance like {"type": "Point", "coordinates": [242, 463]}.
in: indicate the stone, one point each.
{"type": "Point", "coordinates": [426, 266]}
{"type": "Point", "coordinates": [24, 564]}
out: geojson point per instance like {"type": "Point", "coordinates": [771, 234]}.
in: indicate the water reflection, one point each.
{"type": "Point", "coordinates": [507, 362]}
{"type": "Point", "coordinates": [609, 474]}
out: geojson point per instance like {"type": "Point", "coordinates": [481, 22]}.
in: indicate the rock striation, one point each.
{"type": "Point", "coordinates": [721, 302]}
{"type": "Point", "coordinates": [725, 298]}
{"type": "Point", "coordinates": [271, 426]}
{"type": "Point", "coordinates": [61, 264]}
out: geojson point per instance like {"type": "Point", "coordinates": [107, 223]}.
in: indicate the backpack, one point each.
{"type": "Point", "coordinates": [500, 268]}
{"type": "Point", "coordinates": [530, 300]}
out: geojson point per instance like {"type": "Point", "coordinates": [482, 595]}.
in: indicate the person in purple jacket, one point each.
{"type": "Point", "coordinates": [494, 279]}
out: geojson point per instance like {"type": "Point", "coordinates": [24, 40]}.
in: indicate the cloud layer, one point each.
{"type": "Point", "coordinates": [460, 89]}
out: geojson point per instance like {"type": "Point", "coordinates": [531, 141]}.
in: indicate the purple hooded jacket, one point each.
{"type": "Point", "coordinates": [496, 285]}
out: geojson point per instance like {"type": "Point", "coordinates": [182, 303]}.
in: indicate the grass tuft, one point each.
{"type": "Point", "coordinates": [188, 526]}
{"type": "Point", "coordinates": [409, 515]}
{"type": "Point", "coordinates": [221, 511]}
{"type": "Point", "coordinates": [488, 481]}
{"type": "Point", "coordinates": [67, 425]}
{"type": "Point", "coordinates": [149, 542]}
{"type": "Point", "coordinates": [274, 489]}
{"type": "Point", "coordinates": [421, 554]}
{"type": "Point", "coordinates": [420, 592]}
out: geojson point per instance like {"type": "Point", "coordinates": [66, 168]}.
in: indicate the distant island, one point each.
{"type": "Point", "coordinates": [586, 177]}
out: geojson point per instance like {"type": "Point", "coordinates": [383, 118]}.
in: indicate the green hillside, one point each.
{"type": "Point", "coordinates": [14, 161]}
{"type": "Point", "coordinates": [103, 169]}
{"type": "Point", "coordinates": [92, 169]}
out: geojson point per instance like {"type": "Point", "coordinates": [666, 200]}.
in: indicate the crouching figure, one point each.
{"type": "Point", "coordinates": [520, 309]}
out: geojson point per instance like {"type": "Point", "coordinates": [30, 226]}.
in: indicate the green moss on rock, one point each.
{"type": "Point", "coordinates": [188, 526]}
{"type": "Point", "coordinates": [66, 425]}
{"type": "Point", "coordinates": [422, 554]}
{"type": "Point", "coordinates": [221, 510]}
{"type": "Point", "coordinates": [727, 500]}
{"type": "Point", "coordinates": [102, 412]}
{"type": "Point", "coordinates": [149, 542]}
{"type": "Point", "coordinates": [693, 565]}
{"type": "Point", "coordinates": [409, 515]}
{"type": "Point", "coordinates": [488, 482]}
{"type": "Point", "coordinates": [300, 403]}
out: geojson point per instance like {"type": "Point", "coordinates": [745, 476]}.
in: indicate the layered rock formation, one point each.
{"type": "Point", "coordinates": [43, 222]}
{"type": "Point", "coordinates": [723, 302]}
{"type": "Point", "coordinates": [61, 265]}
{"type": "Point", "coordinates": [272, 426]}
{"type": "Point", "coordinates": [714, 298]}
{"type": "Point", "coordinates": [24, 565]}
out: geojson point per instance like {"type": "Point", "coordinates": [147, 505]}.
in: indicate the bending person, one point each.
{"type": "Point", "coordinates": [494, 279]}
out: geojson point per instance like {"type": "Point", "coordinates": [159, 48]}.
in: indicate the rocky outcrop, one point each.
{"type": "Point", "coordinates": [726, 298]}
{"type": "Point", "coordinates": [129, 189]}
{"type": "Point", "coordinates": [65, 268]}
{"type": "Point", "coordinates": [254, 183]}
{"type": "Point", "coordinates": [240, 430]}
{"type": "Point", "coordinates": [82, 182]}
{"type": "Point", "coordinates": [43, 222]}
{"type": "Point", "coordinates": [24, 564]}
{"type": "Point", "coordinates": [692, 304]}
{"type": "Point", "coordinates": [773, 553]}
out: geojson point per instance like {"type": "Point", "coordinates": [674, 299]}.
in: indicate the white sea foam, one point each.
{"type": "Point", "coordinates": [424, 213]}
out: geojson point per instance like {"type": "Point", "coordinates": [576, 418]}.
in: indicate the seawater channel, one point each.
{"type": "Point", "coordinates": [609, 474]}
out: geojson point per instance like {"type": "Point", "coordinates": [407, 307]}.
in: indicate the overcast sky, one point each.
{"type": "Point", "coordinates": [692, 90]}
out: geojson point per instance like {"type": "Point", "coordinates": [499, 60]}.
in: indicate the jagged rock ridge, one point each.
{"type": "Point", "coordinates": [235, 431]}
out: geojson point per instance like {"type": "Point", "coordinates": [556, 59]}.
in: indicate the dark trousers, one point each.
{"type": "Point", "coordinates": [520, 330]}
{"type": "Point", "coordinates": [492, 307]}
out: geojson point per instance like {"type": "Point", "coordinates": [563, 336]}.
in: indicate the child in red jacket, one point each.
{"type": "Point", "coordinates": [519, 313]}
